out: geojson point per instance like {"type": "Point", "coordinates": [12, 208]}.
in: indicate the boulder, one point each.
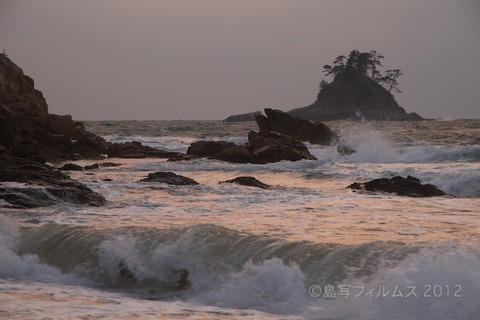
{"type": "Point", "coordinates": [169, 178]}
{"type": "Point", "coordinates": [236, 154]}
{"type": "Point", "coordinates": [248, 181]}
{"type": "Point", "coordinates": [304, 130]}
{"type": "Point", "coordinates": [244, 117]}
{"type": "Point", "coordinates": [409, 186]}
{"type": "Point", "coordinates": [182, 157]}
{"type": "Point", "coordinates": [109, 164]}
{"type": "Point", "coordinates": [275, 147]}
{"type": "Point", "coordinates": [43, 186]}
{"type": "Point", "coordinates": [92, 167]}
{"type": "Point", "coordinates": [135, 149]}
{"type": "Point", "coordinates": [208, 148]}
{"type": "Point", "coordinates": [71, 167]}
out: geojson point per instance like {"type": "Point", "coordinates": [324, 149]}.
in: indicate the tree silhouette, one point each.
{"type": "Point", "coordinates": [390, 79]}
{"type": "Point", "coordinates": [366, 63]}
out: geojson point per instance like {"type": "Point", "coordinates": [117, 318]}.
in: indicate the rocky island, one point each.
{"type": "Point", "coordinates": [358, 91]}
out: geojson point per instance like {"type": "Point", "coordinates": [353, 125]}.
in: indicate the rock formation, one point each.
{"type": "Point", "coordinates": [248, 181]}
{"type": "Point", "coordinates": [135, 149]}
{"type": "Point", "coordinates": [244, 117]}
{"type": "Point", "coordinates": [409, 186]}
{"type": "Point", "coordinates": [169, 178]}
{"type": "Point", "coordinates": [27, 130]}
{"type": "Point", "coordinates": [280, 138]}
{"type": "Point", "coordinates": [267, 148]}
{"type": "Point", "coordinates": [354, 96]}
{"type": "Point", "coordinates": [275, 147]}
{"type": "Point", "coordinates": [302, 129]}
{"type": "Point", "coordinates": [43, 186]}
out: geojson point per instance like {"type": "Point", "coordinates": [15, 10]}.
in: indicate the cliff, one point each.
{"type": "Point", "coordinates": [27, 130]}
{"type": "Point", "coordinates": [354, 96]}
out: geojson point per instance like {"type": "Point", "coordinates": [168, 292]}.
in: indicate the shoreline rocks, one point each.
{"type": "Point", "coordinates": [248, 181]}
{"type": "Point", "coordinates": [134, 149]}
{"type": "Point", "coordinates": [27, 130]}
{"type": "Point", "coordinates": [41, 185]}
{"type": "Point", "coordinates": [410, 187]}
{"type": "Point", "coordinates": [169, 178]}
{"type": "Point", "coordinates": [302, 129]}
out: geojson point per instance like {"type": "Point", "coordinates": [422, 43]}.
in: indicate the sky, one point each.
{"type": "Point", "coordinates": [208, 59]}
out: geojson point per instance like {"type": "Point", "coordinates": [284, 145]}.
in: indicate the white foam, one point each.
{"type": "Point", "coordinates": [25, 267]}
{"type": "Point", "coordinates": [445, 282]}
{"type": "Point", "coordinates": [270, 286]}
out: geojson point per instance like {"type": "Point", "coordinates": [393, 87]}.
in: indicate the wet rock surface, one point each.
{"type": "Point", "coordinates": [409, 186]}
{"type": "Point", "coordinates": [29, 184]}
{"type": "Point", "coordinates": [248, 181]}
{"type": "Point", "coordinates": [169, 178]}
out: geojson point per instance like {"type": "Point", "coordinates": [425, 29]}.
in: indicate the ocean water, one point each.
{"type": "Point", "coordinates": [309, 248]}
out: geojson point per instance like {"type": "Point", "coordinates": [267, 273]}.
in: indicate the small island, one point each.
{"type": "Point", "coordinates": [358, 91]}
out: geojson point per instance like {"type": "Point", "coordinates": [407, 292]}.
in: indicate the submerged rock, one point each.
{"type": "Point", "coordinates": [178, 279]}
{"type": "Point", "coordinates": [92, 167]}
{"type": "Point", "coordinates": [169, 178]}
{"type": "Point", "coordinates": [71, 167]}
{"type": "Point", "coordinates": [248, 181]}
{"type": "Point", "coordinates": [409, 186]}
{"type": "Point", "coordinates": [40, 185]}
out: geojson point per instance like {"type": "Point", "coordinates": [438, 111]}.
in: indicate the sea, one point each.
{"type": "Point", "coordinates": [308, 248]}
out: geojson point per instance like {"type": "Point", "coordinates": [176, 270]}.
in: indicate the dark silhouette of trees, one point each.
{"type": "Point", "coordinates": [390, 79]}
{"type": "Point", "coordinates": [366, 63]}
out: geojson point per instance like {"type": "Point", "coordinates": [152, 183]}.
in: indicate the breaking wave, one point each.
{"type": "Point", "coordinates": [230, 269]}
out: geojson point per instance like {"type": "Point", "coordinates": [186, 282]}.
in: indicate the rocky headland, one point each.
{"type": "Point", "coordinates": [28, 131]}
{"type": "Point", "coordinates": [30, 136]}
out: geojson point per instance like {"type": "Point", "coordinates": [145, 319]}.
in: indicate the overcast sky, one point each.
{"type": "Point", "coordinates": [208, 59]}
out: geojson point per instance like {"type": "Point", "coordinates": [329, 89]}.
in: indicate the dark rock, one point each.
{"type": "Point", "coordinates": [304, 130]}
{"type": "Point", "coordinates": [208, 148]}
{"type": "Point", "coordinates": [92, 167]}
{"type": "Point", "coordinates": [107, 180]}
{"type": "Point", "coordinates": [275, 147]}
{"type": "Point", "coordinates": [135, 149]}
{"type": "Point", "coordinates": [179, 279]}
{"type": "Point", "coordinates": [27, 130]}
{"type": "Point", "coordinates": [182, 157]}
{"type": "Point", "coordinates": [109, 164]}
{"type": "Point", "coordinates": [44, 186]}
{"type": "Point", "coordinates": [71, 167]}
{"type": "Point", "coordinates": [169, 178]}
{"type": "Point", "coordinates": [249, 181]}
{"type": "Point", "coordinates": [354, 96]}
{"type": "Point", "coordinates": [409, 186]}
{"type": "Point", "coordinates": [244, 117]}
{"type": "Point", "coordinates": [236, 154]}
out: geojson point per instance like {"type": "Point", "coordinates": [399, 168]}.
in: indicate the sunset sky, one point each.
{"type": "Point", "coordinates": [208, 59]}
